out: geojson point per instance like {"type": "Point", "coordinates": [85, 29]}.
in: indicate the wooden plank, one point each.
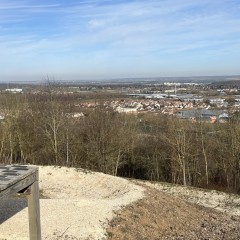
{"type": "Point", "coordinates": [15, 188]}
{"type": "Point", "coordinates": [34, 211]}
{"type": "Point", "coordinates": [11, 174]}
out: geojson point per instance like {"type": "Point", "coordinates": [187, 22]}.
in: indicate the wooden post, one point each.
{"type": "Point", "coordinates": [34, 211]}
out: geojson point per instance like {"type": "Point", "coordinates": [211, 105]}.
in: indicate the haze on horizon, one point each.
{"type": "Point", "coordinates": [99, 39]}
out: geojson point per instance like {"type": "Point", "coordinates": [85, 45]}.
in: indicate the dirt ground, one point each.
{"type": "Point", "coordinates": [83, 205]}
{"type": "Point", "coordinates": [162, 216]}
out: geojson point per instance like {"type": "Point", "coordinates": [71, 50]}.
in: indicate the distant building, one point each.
{"type": "Point", "coordinates": [172, 84]}
{"type": "Point", "coordinates": [219, 102]}
{"type": "Point", "coordinates": [216, 100]}
{"type": "Point", "coordinates": [126, 110]}
{"type": "Point", "coordinates": [14, 90]}
{"type": "Point", "coordinates": [78, 115]}
{"type": "Point", "coordinates": [203, 115]}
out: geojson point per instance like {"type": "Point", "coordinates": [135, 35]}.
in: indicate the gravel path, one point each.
{"type": "Point", "coordinates": [76, 205]}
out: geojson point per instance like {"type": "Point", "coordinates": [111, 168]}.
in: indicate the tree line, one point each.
{"type": "Point", "coordinates": [40, 129]}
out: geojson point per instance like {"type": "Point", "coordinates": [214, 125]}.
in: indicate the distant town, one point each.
{"type": "Point", "coordinates": [213, 99]}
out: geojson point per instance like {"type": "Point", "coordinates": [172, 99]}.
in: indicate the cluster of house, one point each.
{"type": "Point", "coordinates": [180, 109]}
{"type": "Point", "coordinates": [151, 105]}
{"type": "Point", "coordinates": [183, 110]}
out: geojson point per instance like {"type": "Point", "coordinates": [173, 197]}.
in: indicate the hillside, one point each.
{"type": "Point", "coordinates": [77, 204]}
{"type": "Point", "coordinates": [181, 216]}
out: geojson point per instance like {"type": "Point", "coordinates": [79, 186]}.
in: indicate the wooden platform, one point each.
{"type": "Point", "coordinates": [18, 179]}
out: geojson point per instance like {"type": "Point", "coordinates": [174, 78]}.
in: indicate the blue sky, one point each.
{"type": "Point", "coordinates": [98, 39]}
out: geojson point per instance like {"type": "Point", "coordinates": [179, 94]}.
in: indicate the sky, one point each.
{"type": "Point", "coordinates": [105, 39]}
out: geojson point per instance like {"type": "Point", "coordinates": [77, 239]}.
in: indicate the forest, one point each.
{"type": "Point", "coordinates": [40, 129]}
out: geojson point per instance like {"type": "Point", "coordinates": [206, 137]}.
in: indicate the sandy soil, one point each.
{"type": "Point", "coordinates": [77, 205]}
